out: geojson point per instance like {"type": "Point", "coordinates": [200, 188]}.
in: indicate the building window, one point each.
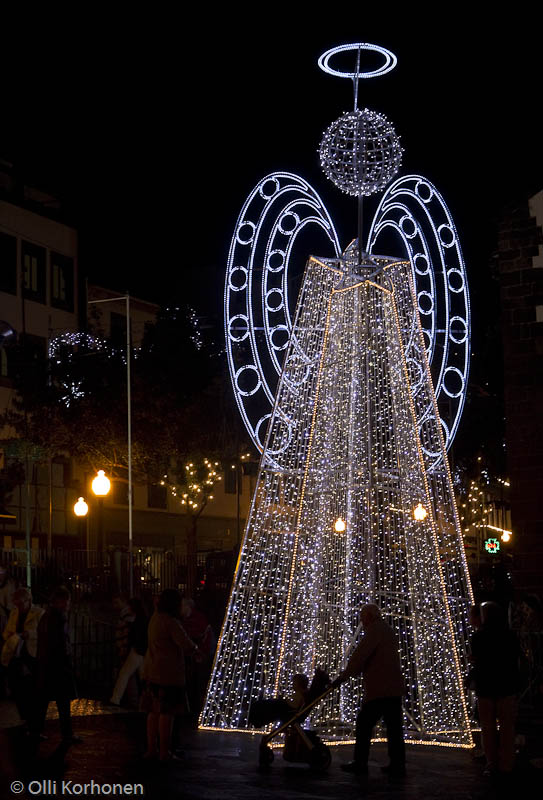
{"type": "Point", "coordinates": [62, 282]}
{"type": "Point", "coordinates": [8, 263]}
{"type": "Point", "coordinates": [157, 496]}
{"type": "Point", "coordinates": [33, 266]}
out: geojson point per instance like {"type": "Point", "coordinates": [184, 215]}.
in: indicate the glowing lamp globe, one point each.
{"type": "Point", "coordinates": [101, 484]}
{"type": "Point", "coordinates": [81, 508]}
{"type": "Point", "coordinates": [360, 152]}
{"type": "Point", "coordinates": [419, 512]}
{"type": "Point", "coordinates": [506, 536]}
{"type": "Point", "coordinates": [339, 525]}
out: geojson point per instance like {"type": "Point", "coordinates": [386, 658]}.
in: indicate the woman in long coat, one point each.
{"type": "Point", "coordinates": [164, 671]}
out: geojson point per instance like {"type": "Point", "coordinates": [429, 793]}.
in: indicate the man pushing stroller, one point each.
{"type": "Point", "coordinates": [376, 657]}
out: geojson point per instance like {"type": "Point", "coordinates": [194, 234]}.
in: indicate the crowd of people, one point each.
{"type": "Point", "coordinates": [169, 654]}
{"type": "Point", "coordinates": [166, 654]}
{"type": "Point", "coordinates": [36, 659]}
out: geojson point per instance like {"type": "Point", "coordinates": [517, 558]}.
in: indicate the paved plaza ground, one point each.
{"type": "Point", "coordinates": [219, 766]}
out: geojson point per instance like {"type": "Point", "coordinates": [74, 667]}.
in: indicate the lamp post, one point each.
{"type": "Point", "coordinates": [129, 429]}
{"type": "Point", "coordinates": [101, 486]}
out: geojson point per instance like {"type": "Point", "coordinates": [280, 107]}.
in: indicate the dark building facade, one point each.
{"type": "Point", "coordinates": [520, 263]}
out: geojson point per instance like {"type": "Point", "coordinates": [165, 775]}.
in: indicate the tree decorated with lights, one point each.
{"type": "Point", "coordinates": [194, 490]}
{"type": "Point", "coordinates": [354, 499]}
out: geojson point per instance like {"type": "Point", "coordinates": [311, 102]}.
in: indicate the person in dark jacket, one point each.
{"type": "Point", "coordinates": [137, 646]}
{"type": "Point", "coordinates": [377, 658]}
{"type": "Point", "coordinates": [55, 678]}
{"type": "Point", "coordinates": [495, 654]}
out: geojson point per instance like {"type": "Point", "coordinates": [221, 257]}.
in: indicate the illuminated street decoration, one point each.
{"type": "Point", "coordinates": [492, 546]}
{"type": "Point", "coordinates": [257, 319]}
{"type": "Point", "coordinates": [413, 215]}
{"type": "Point", "coordinates": [360, 152]}
{"type": "Point", "coordinates": [419, 512]}
{"type": "Point", "coordinates": [354, 500]}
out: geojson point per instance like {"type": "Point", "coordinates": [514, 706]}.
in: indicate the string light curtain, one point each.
{"type": "Point", "coordinates": [350, 438]}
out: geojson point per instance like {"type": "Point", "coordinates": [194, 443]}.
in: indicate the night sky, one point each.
{"type": "Point", "coordinates": [153, 131]}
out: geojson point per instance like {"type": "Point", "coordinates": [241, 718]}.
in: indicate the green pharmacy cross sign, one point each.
{"type": "Point", "coordinates": [492, 546]}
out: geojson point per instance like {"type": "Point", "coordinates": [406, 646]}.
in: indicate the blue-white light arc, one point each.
{"type": "Point", "coordinates": [257, 306]}
{"type": "Point", "coordinates": [257, 315]}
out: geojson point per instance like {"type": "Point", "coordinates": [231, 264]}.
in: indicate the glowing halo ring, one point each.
{"type": "Point", "coordinates": [447, 349]}
{"type": "Point", "coordinates": [390, 60]}
{"type": "Point", "coordinates": [258, 262]}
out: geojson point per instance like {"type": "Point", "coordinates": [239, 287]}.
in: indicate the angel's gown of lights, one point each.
{"type": "Point", "coordinates": [351, 436]}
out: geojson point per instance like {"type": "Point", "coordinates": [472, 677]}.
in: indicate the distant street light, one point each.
{"type": "Point", "coordinates": [339, 525]}
{"type": "Point", "coordinates": [81, 508]}
{"type": "Point", "coordinates": [101, 486]}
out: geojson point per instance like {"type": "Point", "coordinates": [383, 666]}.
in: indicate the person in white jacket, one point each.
{"type": "Point", "coordinates": [20, 648]}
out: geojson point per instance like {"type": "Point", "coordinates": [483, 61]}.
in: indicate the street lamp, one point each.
{"type": "Point", "coordinates": [101, 486]}
{"type": "Point", "coordinates": [339, 525]}
{"type": "Point", "coordinates": [81, 510]}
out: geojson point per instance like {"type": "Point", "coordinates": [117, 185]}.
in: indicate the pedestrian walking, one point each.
{"type": "Point", "coordinates": [19, 650]}
{"type": "Point", "coordinates": [55, 678]}
{"type": "Point", "coordinates": [495, 654]}
{"type": "Point", "coordinates": [137, 647]}
{"type": "Point", "coordinates": [377, 658]}
{"type": "Point", "coordinates": [165, 696]}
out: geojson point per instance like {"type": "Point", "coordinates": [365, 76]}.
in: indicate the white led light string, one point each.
{"type": "Point", "coordinates": [253, 360]}
{"type": "Point", "coordinates": [299, 613]}
{"type": "Point", "coordinates": [415, 197]}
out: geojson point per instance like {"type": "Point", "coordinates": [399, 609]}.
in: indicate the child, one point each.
{"type": "Point", "coordinates": [278, 709]}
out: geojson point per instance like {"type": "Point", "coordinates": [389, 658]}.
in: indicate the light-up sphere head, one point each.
{"type": "Point", "coordinates": [360, 152]}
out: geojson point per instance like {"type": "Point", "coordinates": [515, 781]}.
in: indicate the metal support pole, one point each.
{"type": "Point", "coordinates": [360, 227]}
{"type": "Point", "coordinates": [129, 425]}
{"type": "Point", "coordinates": [129, 432]}
{"type": "Point", "coordinates": [27, 522]}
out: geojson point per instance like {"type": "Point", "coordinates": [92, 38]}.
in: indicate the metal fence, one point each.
{"type": "Point", "coordinates": [89, 573]}
{"type": "Point", "coordinates": [94, 654]}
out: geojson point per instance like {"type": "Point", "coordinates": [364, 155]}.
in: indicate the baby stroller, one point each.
{"type": "Point", "coordinates": [301, 746]}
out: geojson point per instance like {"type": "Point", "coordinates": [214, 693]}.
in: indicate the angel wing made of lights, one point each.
{"type": "Point", "coordinates": [257, 306]}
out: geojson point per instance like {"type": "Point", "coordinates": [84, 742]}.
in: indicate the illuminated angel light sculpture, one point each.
{"type": "Point", "coordinates": [352, 432]}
